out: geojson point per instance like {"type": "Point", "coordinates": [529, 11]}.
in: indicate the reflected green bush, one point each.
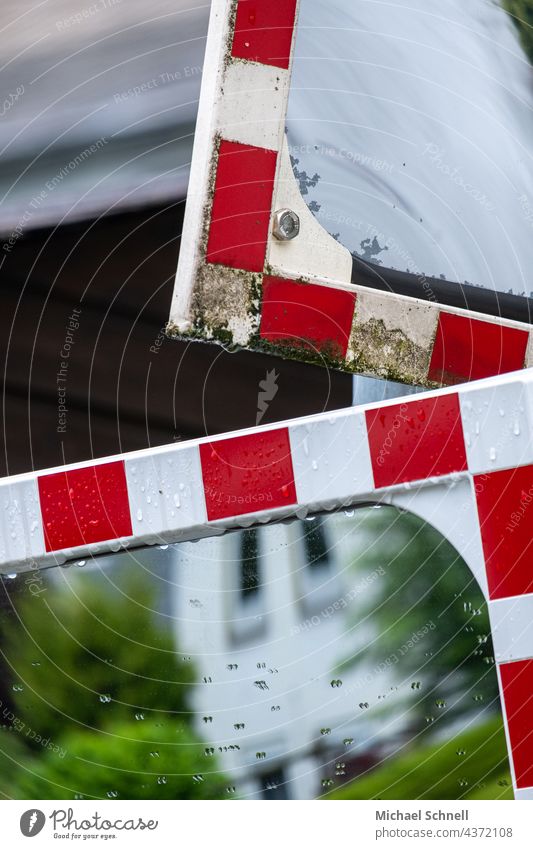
{"type": "Point", "coordinates": [99, 697]}
{"type": "Point", "coordinates": [132, 760]}
{"type": "Point", "coordinates": [12, 753]}
{"type": "Point", "coordinates": [472, 765]}
{"type": "Point", "coordinates": [92, 653]}
{"type": "Point", "coordinates": [522, 12]}
{"type": "Point", "coordinates": [432, 630]}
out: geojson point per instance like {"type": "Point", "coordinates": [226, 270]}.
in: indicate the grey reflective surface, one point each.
{"type": "Point", "coordinates": [98, 106]}
{"type": "Point", "coordinates": [338, 656]}
{"type": "Point", "coordinates": [416, 116]}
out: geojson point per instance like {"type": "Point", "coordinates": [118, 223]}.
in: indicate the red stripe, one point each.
{"type": "Point", "coordinates": [517, 685]}
{"type": "Point", "coordinates": [264, 30]}
{"type": "Point", "coordinates": [469, 349]}
{"type": "Point", "coordinates": [416, 440]}
{"type": "Point", "coordinates": [246, 474]}
{"type": "Point", "coordinates": [84, 505]}
{"type": "Point", "coordinates": [505, 509]}
{"type": "Point", "coordinates": [242, 202]}
{"type": "Point", "coordinates": [304, 315]}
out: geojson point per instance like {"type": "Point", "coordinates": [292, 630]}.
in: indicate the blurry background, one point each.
{"type": "Point", "coordinates": [248, 666]}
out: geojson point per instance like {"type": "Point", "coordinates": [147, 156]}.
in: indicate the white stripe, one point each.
{"type": "Point", "coordinates": [166, 493]}
{"type": "Point", "coordinates": [524, 795]}
{"type": "Point", "coordinates": [21, 531]}
{"type": "Point", "coordinates": [252, 110]}
{"type": "Point", "coordinates": [512, 628]}
{"type": "Point", "coordinates": [331, 459]}
{"type": "Point", "coordinates": [498, 424]}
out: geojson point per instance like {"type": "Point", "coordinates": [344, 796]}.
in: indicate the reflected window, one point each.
{"type": "Point", "coordinates": [274, 785]}
{"type": "Point", "coordinates": [316, 545]}
{"type": "Point", "coordinates": [249, 564]}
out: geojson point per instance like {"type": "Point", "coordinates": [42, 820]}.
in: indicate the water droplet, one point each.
{"type": "Point", "coordinates": [162, 779]}
{"type": "Point", "coordinates": [139, 515]}
{"type": "Point", "coordinates": [348, 741]}
{"type": "Point", "coordinates": [105, 698]}
{"type": "Point", "coordinates": [18, 688]}
{"type": "Point", "coordinates": [112, 794]}
{"type": "Point", "coordinates": [81, 563]}
{"type": "Point", "coordinates": [325, 731]}
{"type": "Point", "coordinates": [198, 778]}
{"type": "Point", "coordinates": [139, 716]}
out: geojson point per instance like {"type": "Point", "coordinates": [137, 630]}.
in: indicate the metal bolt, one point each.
{"type": "Point", "coordinates": [286, 225]}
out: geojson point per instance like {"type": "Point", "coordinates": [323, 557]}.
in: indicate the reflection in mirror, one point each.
{"type": "Point", "coordinates": [410, 126]}
{"type": "Point", "coordinates": [346, 655]}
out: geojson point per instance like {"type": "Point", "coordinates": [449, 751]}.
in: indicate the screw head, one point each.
{"type": "Point", "coordinates": [286, 225]}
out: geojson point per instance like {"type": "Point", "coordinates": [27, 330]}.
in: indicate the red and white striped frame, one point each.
{"type": "Point", "coordinates": [238, 285]}
{"type": "Point", "coordinates": [461, 459]}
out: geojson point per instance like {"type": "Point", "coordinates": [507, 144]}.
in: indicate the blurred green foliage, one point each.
{"type": "Point", "coordinates": [91, 653]}
{"type": "Point", "coordinates": [13, 752]}
{"type": "Point", "coordinates": [431, 621]}
{"type": "Point", "coordinates": [522, 12]}
{"type": "Point", "coordinates": [99, 700]}
{"type": "Point", "coordinates": [471, 765]}
{"type": "Point", "coordinates": [134, 760]}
